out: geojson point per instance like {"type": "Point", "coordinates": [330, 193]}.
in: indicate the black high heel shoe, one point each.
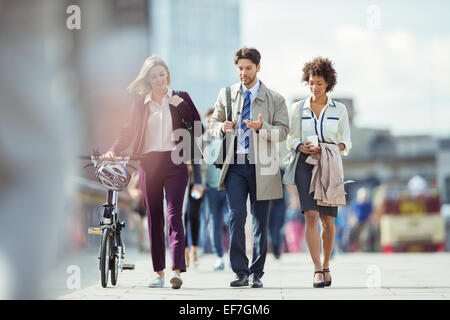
{"type": "Point", "coordinates": [327, 283]}
{"type": "Point", "coordinates": [319, 284]}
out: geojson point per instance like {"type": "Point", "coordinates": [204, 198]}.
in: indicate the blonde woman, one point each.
{"type": "Point", "coordinates": [156, 113]}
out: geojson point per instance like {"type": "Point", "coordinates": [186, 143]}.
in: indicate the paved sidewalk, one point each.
{"type": "Point", "coordinates": [355, 276]}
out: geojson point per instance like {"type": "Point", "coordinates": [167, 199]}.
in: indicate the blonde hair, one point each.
{"type": "Point", "coordinates": [141, 85]}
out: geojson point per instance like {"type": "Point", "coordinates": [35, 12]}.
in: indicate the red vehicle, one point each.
{"type": "Point", "coordinates": [410, 223]}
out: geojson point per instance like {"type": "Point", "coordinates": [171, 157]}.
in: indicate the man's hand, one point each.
{"type": "Point", "coordinates": [255, 125]}
{"type": "Point", "coordinates": [228, 126]}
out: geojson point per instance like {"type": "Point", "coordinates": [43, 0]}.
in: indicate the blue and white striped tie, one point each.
{"type": "Point", "coordinates": [244, 137]}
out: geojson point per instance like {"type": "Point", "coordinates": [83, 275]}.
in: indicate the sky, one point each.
{"type": "Point", "coordinates": [392, 57]}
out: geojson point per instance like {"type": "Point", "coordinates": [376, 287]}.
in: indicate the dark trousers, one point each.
{"type": "Point", "coordinates": [276, 222]}
{"type": "Point", "coordinates": [240, 182]}
{"type": "Point", "coordinates": [157, 173]}
{"type": "Point", "coordinates": [193, 217]}
{"type": "Point", "coordinates": [218, 213]}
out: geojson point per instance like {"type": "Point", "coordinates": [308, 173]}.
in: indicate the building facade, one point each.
{"type": "Point", "coordinates": [198, 39]}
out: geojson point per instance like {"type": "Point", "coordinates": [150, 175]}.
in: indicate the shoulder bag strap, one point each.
{"type": "Point", "coordinates": [229, 111]}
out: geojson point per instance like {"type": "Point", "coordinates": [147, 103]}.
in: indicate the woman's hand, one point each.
{"type": "Point", "coordinates": [175, 100]}
{"type": "Point", "coordinates": [309, 148]}
{"type": "Point", "coordinates": [109, 155]}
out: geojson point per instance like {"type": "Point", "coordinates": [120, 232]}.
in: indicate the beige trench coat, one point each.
{"type": "Point", "coordinates": [264, 144]}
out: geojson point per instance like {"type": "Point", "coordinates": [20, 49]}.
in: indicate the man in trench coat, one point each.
{"type": "Point", "coordinates": [259, 123]}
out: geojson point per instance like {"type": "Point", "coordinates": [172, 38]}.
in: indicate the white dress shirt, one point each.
{"type": "Point", "coordinates": [332, 125]}
{"type": "Point", "coordinates": [158, 133]}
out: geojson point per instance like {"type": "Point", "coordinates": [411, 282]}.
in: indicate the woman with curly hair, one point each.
{"type": "Point", "coordinates": [324, 120]}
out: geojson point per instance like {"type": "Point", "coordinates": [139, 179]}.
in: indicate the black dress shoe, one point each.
{"type": "Point", "coordinates": [240, 281]}
{"type": "Point", "coordinates": [327, 283]}
{"type": "Point", "coordinates": [255, 282]}
{"type": "Point", "coordinates": [319, 284]}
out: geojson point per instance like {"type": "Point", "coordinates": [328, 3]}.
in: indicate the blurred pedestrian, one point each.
{"type": "Point", "coordinates": [342, 240]}
{"type": "Point", "coordinates": [294, 228]}
{"type": "Point", "coordinates": [157, 112]}
{"type": "Point", "coordinates": [258, 115]}
{"type": "Point", "coordinates": [276, 222]}
{"type": "Point", "coordinates": [216, 202]}
{"type": "Point", "coordinates": [361, 210]}
{"type": "Point", "coordinates": [41, 133]}
{"type": "Point", "coordinates": [138, 207]}
{"type": "Point", "coordinates": [277, 213]}
{"type": "Point", "coordinates": [324, 120]}
{"type": "Point", "coordinates": [192, 215]}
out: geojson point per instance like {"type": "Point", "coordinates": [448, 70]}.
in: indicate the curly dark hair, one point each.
{"type": "Point", "coordinates": [322, 67]}
{"type": "Point", "coordinates": [248, 53]}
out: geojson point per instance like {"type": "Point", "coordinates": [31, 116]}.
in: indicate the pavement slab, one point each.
{"type": "Point", "coordinates": [356, 276]}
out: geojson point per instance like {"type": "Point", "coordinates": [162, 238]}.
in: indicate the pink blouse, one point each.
{"type": "Point", "coordinates": [158, 133]}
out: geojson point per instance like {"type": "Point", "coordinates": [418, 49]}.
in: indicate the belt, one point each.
{"type": "Point", "coordinates": [241, 158]}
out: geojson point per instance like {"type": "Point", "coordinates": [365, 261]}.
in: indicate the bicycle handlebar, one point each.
{"type": "Point", "coordinates": [117, 158]}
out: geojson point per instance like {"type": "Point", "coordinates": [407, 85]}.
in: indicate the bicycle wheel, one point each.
{"type": "Point", "coordinates": [114, 261]}
{"type": "Point", "coordinates": [105, 253]}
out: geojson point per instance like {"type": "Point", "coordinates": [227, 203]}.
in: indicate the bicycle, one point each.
{"type": "Point", "coordinates": [112, 247]}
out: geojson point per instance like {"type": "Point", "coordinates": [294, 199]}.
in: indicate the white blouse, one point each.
{"type": "Point", "coordinates": [158, 133]}
{"type": "Point", "coordinates": [331, 126]}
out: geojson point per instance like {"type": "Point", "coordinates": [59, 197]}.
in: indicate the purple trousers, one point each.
{"type": "Point", "coordinates": [157, 173]}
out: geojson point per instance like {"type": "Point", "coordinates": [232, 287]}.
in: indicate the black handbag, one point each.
{"type": "Point", "coordinates": [222, 154]}
{"type": "Point", "coordinates": [195, 150]}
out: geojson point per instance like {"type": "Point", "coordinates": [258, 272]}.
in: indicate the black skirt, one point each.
{"type": "Point", "coordinates": [303, 176]}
